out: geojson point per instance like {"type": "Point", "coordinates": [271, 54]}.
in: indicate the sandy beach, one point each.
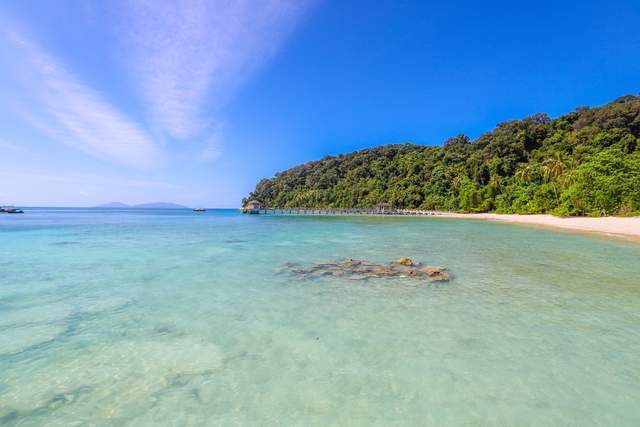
{"type": "Point", "coordinates": [618, 226]}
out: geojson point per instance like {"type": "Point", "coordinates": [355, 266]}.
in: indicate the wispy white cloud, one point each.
{"type": "Point", "coordinates": [188, 53]}
{"type": "Point", "coordinates": [70, 111]}
{"type": "Point", "coordinates": [186, 58]}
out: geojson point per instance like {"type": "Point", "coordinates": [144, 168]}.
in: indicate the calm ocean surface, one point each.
{"type": "Point", "coordinates": [167, 317]}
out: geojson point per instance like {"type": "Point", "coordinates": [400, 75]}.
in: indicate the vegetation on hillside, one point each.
{"type": "Point", "coordinates": [583, 163]}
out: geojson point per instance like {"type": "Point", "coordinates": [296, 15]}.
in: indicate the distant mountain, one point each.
{"type": "Point", "coordinates": [157, 205]}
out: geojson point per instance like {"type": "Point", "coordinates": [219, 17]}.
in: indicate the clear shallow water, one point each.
{"type": "Point", "coordinates": [157, 317]}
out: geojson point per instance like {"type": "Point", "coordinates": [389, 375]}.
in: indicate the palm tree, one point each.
{"type": "Point", "coordinates": [553, 169]}
{"type": "Point", "coordinates": [455, 183]}
{"type": "Point", "coordinates": [525, 173]}
{"type": "Point", "coordinates": [568, 178]}
{"type": "Point", "coordinates": [495, 182]}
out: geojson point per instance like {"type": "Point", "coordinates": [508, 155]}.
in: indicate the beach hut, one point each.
{"type": "Point", "coordinates": [385, 208]}
{"type": "Point", "coordinates": [252, 207]}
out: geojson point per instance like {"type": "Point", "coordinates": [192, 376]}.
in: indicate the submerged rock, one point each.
{"type": "Point", "coordinates": [363, 270]}
{"type": "Point", "coordinates": [408, 262]}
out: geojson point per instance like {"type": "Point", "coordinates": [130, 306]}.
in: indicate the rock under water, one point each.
{"type": "Point", "coordinates": [363, 270]}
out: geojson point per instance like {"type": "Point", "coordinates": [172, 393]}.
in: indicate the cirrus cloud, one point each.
{"type": "Point", "coordinates": [67, 110]}
{"type": "Point", "coordinates": [188, 53]}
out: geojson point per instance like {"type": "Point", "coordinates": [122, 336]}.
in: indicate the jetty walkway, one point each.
{"type": "Point", "coordinates": [339, 211]}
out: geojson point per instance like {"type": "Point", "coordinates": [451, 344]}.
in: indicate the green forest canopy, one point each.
{"type": "Point", "coordinates": [583, 163]}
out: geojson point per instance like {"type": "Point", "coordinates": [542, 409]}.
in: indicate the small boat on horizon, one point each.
{"type": "Point", "coordinates": [10, 210]}
{"type": "Point", "coordinates": [199, 209]}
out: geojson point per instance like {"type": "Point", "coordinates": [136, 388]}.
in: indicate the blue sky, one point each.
{"type": "Point", "coordinates": [193, 101]}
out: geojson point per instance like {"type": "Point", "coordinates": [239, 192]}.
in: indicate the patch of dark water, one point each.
{"type": "Point", "coordinates": [65, 243]}
{"type": "Point", "coordinates": [15, 417]}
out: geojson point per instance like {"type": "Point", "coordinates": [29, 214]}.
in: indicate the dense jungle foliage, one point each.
{"type": "Point", "coordinates": [583, 163]}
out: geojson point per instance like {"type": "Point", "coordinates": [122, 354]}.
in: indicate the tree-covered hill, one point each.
{"type": "Point", "coordinates": [583, 163]}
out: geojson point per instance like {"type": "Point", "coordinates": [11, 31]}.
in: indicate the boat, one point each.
{"type": "Point", "coordinates": [11, 210]}
{"type": "Point", "coordinates": [199, 209]}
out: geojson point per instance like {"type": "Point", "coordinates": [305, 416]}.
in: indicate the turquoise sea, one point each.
{"type": "Point", "coordinates": [168, 317]}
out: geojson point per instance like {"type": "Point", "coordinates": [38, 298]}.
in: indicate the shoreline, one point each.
{"type": "Point", "coordinates": [628, 227]}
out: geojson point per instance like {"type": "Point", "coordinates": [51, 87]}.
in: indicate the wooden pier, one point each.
{"type": "Point", "coordinates": [339, 211]}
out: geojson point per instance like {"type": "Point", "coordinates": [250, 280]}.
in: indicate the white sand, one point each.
{"type": "Point", "coordinates": [629, 227]}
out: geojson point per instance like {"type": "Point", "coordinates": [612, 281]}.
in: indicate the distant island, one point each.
{"type": "Point", "coordinates": [584, 163]}
{"type": "Point", "coordinates": [157, 205]}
